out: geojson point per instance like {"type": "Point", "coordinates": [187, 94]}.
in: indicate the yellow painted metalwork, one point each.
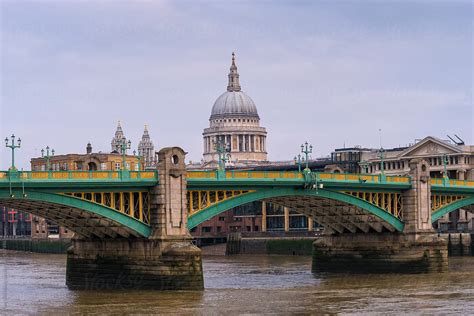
{"type": "Point", "coordinates": [108, 199]}
{"type": "Point", "coordinates": [39, 175]}
{"type": "Point", "coordinates": [201, 199]}
{"type": "Point", "coordinates": [391, 202]}
{"type": "Point", "coordinates": [440, 200]}
{"type": "Point", "coordinates": [140, 206]}
{"type": "Point", "coordinates": [453, 182]}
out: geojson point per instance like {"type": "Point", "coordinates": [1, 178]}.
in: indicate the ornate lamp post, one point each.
{"type": "Point", "coordinates": [364, 166]}
{"type": "Point", "coordinates": [306, 151]}
{"type": "Point", "coordinates": [298, 161]}
{"type": "Point", "coordinates": [13, 146]}
{"type": "Point", "coordinates": [382, 166]}
{"type": "Point", "coordinates": [139, 158]}
{"type": "Point", "coordinates": [445, 169]}
{"type": "Point", "coordinates": [123, 146]}
{"type": "Point", "coordinates": [223, 151]}
{"type": "Point", "coordinates": [47, 157]}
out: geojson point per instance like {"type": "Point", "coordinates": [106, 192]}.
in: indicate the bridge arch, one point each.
{"type": "Point", "coordinates": [83, 217]}
{"type": "Point", "coordinates": [269, 193]}
{"type": "Point", "coordinates": [451, 207]}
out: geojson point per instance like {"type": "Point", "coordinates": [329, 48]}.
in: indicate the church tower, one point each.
{"type": "Point", "coordinates": [117, 140]}
{"type": "Point", "coordinates": [146, 149]}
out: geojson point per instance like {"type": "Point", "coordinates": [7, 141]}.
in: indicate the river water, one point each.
{"type": "Point", "coordinates": [35, 284]}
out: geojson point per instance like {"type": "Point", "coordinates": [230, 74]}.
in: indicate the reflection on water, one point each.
{"type": "Point", "coordinates": [34, 283]}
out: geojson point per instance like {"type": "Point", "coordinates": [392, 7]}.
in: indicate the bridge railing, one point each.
{"type": "Point", "coordinates": [452, 182]}
{"type": "Point", "coordinates": [343, 177]}
{"type": "Point", "coordinates": [78, 175]}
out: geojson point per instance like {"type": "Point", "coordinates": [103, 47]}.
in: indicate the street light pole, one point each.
{"type": "Point", "coordinates": [139, 157]}
{"type": "Point", "coordinates": [382, 166]}
{"type": "Point", "coordinates": [298, 161]}
{"type": "Point", "coordinates": [47, 157]}
{"type": "Point", "coordinates": [365, 166]}
{"type": "Point", "coordinates": [123, 146]}
{"type": "Point", "coordinates": [306, 151]}
{"type": "Point", "coordinates": [445, 169]}
{"type": "Point", "coordinates": [13, 146]}
{"type": "Point", "coordinates": [223, 152]}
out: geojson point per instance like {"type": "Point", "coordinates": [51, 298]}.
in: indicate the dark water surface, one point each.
{"type": "Point", "coordinates": [35, 284]}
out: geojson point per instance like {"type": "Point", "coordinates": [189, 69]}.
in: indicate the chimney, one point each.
{"type": "Point", "coordinates": [89, 148]}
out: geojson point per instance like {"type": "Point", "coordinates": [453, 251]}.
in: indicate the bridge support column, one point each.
{"type": "Point", "coordinates": [416, 249]}
{"type": "Point", "coordinates": [166, 260]}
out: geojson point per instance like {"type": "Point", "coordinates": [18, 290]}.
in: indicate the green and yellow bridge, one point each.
{"type": "Point", "coordinates": [110, 204]}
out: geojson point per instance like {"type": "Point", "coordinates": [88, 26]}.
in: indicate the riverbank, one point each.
{"type": "Point", "coordinates": [54, 246]}
{"type": "Point", "coordinates": [459, 244]}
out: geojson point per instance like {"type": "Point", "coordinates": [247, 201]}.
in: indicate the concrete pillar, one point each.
{"type": "Point", "coordinates": [286, 212]}
{"type": "Point", "coordinates": [166, 260]}
{"type": "Point", "coordinates": [264, 216]}
{"type": "Point", "coordinates": [310, 224]}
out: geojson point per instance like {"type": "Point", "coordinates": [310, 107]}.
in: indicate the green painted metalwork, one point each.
{"type": "Point", "coordinates": [218, 208]}
{"type": "Point", "coordinates": [306, 151]}
{"type": "Point", "coordinates": [47, 157]}
{"type": "Point", "coordinates": [298, 161]}
{"type": "Point", "coordinates": [451, 207]}
{"type": "Point", "coordinates": [100, 210]}
{"type": "Point", "coordinates": [13, 146]}
{"type": "Point", "coordinates": [222, 150]}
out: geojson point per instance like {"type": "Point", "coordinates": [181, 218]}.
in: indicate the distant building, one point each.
{"type": "Point", "coordinates": [90, 161]}
{"type": "Point", "coordinates": [146, 150]}
{"type": "Point", "coordinates": [14, 223]}
{"type": "Point", "coordinates": [235, 122]}
{"type": "Point", "coordinates": [460, 166]}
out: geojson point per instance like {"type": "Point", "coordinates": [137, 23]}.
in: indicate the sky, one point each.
{"type": "Point", "coordinates": [333, 73]}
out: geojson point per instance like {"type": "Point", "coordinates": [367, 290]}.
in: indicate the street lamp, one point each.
{"type": "Point", "coordinates": [139, 157]}
{"type": "Point", "coordinates": [47, 157]}
{"type": "Point", "coordinates": [382, 166]}
{"type": "Point", "coordinates": [122, 147]}
{"type": "Point", "coordinates": [445, 168]}
{"type": "Point", "coordinates": [382, 156]}
{"type": "Point", "coordinates": [222, 150]}
{"type": "Point", "coordinates": [298, 161]}
{"type": "Point", "coordinates": [364, 166]}
{"type": "Point", "coordinates": [306, 151]}
{"type": "Point", "coordinates": [13, 146]}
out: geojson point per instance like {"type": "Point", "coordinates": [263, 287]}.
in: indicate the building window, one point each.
{"type": "Point", "coordinates": [206, 229]}
{"type": "Point", "coordinates": [103, 166]}
{"type": "Point", "coordinates": [219, 229]}
{"type": "Point", "coordinates": [117, 166]}
{"type": "Point", "coordinates": [221, 218]}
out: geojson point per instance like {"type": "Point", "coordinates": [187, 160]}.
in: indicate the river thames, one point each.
{"type": "Point", "coordinates": [35, 284]}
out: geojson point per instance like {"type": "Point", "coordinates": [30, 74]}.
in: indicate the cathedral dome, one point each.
{"type": "Point", "coordinates": [234, 103]}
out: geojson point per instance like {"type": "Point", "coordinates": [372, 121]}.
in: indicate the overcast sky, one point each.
{"type": "Point", "coordinates": [330, 72]}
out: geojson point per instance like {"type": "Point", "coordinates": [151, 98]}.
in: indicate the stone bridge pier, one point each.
{"type": "Point", "coordinates": [166, 260]}
{"type": "Point", "coordinates": [417, 249]}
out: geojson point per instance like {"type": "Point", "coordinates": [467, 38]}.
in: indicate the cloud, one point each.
{"type": "Point", "coordinates": [330, 73]}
